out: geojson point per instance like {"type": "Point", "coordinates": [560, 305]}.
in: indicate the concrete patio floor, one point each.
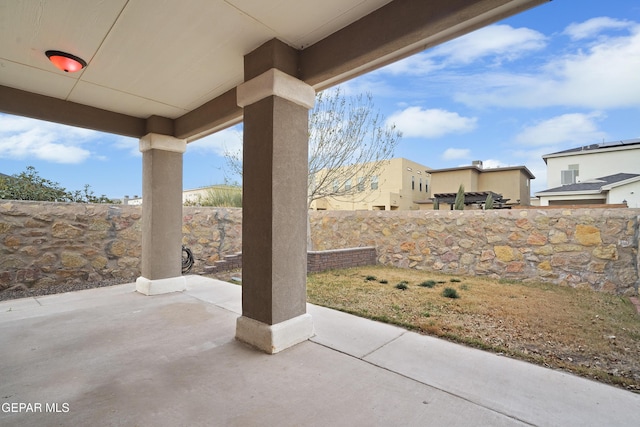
{"type": "Point", "coordinates": [110, 356]}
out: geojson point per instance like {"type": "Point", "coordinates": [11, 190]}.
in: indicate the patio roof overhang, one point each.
{"type": "Point", "coordinates": [175, 67]}
{"type": "Point", "coordinates": [173, 72]}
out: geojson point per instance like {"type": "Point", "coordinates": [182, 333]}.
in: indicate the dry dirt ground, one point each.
{"type": "Point", "coordinates": [591, 334]}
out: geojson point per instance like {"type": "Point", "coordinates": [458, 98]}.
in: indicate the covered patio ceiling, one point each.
{"type": "Point", "coordinates": [181, 61]}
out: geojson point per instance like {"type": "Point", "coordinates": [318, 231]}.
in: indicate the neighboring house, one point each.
{"type": "Point", "coordinates": [621, 188]}
{"type": "Point", "coordinates": [512, 183]}
{"type": "Point", "coordinates": [191, 197]}
{"type": "Point", "coordinates": [604, 173]}
{"type": "Point", "coordinates": [135, 201]}
{"type": "Point", "coordinates": [400, 184]}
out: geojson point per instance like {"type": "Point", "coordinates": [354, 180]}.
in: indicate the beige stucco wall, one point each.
{"type": "Point", "coordinates": [512, 184]}
{"type": "Point", "coordinates": [394, 192]}
{"type": "Point", "coordinates": [450, 181]}
{"type": "Point", "coordinates": [50, 244]}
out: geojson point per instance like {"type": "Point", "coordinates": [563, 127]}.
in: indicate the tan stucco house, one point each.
{"type": "Point", "coordinates": [512, 183]}
{"type": "Point", "coordinates": [399, 184]}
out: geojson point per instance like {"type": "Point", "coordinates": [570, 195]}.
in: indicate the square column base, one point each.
{"type": "Point", "coordinates": [160, 286]}
{"type": "Point", "coordinates": [274, 338]}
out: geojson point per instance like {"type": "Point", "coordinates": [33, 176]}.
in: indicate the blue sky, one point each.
{"type": "Point", "coordinates": [562, 75]}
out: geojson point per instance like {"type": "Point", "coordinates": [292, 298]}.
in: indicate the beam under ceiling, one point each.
{"type": "Point", "coordinates": [395, 31]}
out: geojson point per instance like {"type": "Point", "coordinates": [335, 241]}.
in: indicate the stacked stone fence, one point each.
{"type": "Point", "coordinates": [591, 248]}
{"type": "Point", "coordinates": [48, 244]}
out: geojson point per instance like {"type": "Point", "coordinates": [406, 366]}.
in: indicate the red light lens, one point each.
{"type": "Point", "coordinates": [66, 64]}
{"type": "Point", "coordinates": [65, 61]}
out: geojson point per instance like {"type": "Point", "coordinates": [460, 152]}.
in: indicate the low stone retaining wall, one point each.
{"type": "Point", "coordinates": [45, 244]}
{"type": "Point", "coordinates": [318, 261]}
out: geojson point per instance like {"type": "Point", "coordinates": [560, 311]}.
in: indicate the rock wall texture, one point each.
{"type": "Point", "coordinates": [48, 244]}
{"type": "Point", "coordinates": [595, 248]}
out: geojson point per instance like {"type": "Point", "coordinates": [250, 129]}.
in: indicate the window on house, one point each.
{"type": "Point", "coordinates": [360, 184]}
{"type": "Point", "coordinates": [420, 184]}
{"type": "Point", "coordinates": [347, 185]}
{"type": "Point", "coordinates": [336, 186]}
{"type": "Point", "coordinates": [568, 176]}
{"type": "Point", "coordinates": [413, 182]}
{"type": "Point", "coordinates": [374, 182]}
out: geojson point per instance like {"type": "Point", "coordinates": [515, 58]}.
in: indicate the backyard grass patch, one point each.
{"type": "Point", "coordinates": [592, 334]}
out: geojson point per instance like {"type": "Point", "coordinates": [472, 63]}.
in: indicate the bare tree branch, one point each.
{"type": "Point", "coordinates": [349, 143]}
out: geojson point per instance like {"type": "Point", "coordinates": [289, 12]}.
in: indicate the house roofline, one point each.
{"type": "Point", "coordinates": [569, 193]}
{"type": "Point", "coordinates": [629, 144]}
{"type": "Point", "coordinates": [486, 170]}
{"type": "Point", "coordinates": [620, 183]}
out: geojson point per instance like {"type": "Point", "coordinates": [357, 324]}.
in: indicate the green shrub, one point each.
{"type": "Point", "coordinates": [384, 281]}
{"type": "Point", "coordinates": [455, 280]}
{"type": "Point", "coordinates": [458, 203]}
{"type": "Point", "coordinates": [370, 278]}
{"type": "Point", "coordinates": [450, 293]}
{"type": "Point", "coordinates": [402, 285]}
{"type": "Point", "coordinates": [428, 284]}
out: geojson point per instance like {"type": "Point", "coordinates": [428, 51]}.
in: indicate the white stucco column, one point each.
{"type": "Point", "coordinates": [161, 215]}
{"type": "Point", "coordinates": [274, 218]}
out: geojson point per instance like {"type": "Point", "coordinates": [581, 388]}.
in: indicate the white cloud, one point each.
{"type": "Point", "coordinates": [132, 145]}
{"type": "Point", "coordinates": [597, 76]}
{"type": "Point", "coordinates": [430, 123]}
{"type": "Point", "coordinates": [503, 41]}
{"type": "Point", "coordinates": [565, 129]}
{"type": "Point", "coordinates": [415, 65]}
{"type": "Point", "coordinates": [456, 153]}
{"type": "Point", "coordinates": [499, 42]}
{"type": "Point", "coordinates": [594, 27]}
{"type": "Point", "coordinates": [222, 142]}
{"type": "Point", "coordinates": [492, 164]}
{"type": "Point", "coordinates": [23, 138]}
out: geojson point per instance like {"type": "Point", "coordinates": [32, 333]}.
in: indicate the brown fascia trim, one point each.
{"type": "Point", "coordinates": [398, 30]}
{"type": "Point", "coordinates": [485, 170]}
{"type": "Point", "coordinates": [223, 111]}
{"type": "Point", "coordinates": [21, 103]}
{"type": "Point", "coordinates": [395, 31]}
{"type": "Point", "coordinates": [217, 114]}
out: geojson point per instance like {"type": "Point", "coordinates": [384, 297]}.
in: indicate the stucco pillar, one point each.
{"type": "Point", "coordinates": [274, 217]}
{"type": "Point", "coordinates": [161, 215]}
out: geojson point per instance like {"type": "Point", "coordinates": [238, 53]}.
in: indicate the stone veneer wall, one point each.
{"type": "Point", "coordinates": [49, 244]}
{"type": "Point", "coordinates": [596, 248]}
{"type": "Point", "coordinates": [45, 244]}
